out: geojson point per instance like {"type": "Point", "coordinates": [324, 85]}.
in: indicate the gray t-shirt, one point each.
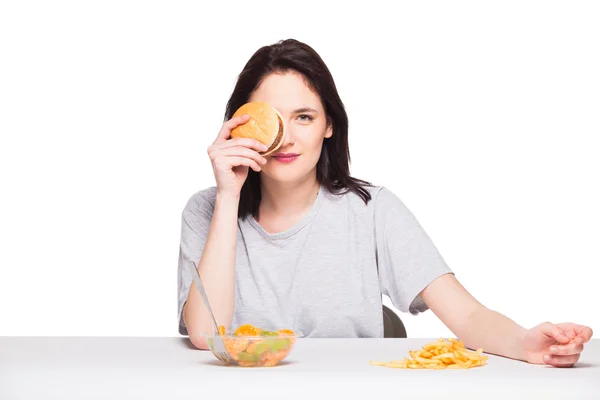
{"type": "Point", "coordinates": [325, 276]}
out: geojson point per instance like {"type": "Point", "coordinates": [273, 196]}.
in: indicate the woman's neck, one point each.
{"type": "Point", "coordinates": [291, 199]}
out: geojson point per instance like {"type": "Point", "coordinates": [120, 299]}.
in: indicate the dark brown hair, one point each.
{"type": "Point", "coordinates": [333, 167]}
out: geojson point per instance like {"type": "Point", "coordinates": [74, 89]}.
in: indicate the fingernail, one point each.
{"type": "Point", "coordinates": [554, 349]}
{"type": "Point", "coordinates": [547, 358]}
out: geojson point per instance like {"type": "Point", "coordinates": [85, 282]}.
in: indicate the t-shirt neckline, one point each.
{"type": "Point", "coordinates": [296, 227]}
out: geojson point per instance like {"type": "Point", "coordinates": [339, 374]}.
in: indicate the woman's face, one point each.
{"type": "Point", "coordinates": [306, 126]}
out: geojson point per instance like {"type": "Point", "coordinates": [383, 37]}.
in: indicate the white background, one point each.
{"type": "Point", "coordinates": [483, 118]}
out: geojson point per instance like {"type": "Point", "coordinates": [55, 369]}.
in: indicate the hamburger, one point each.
{"type": "Point", "coordinates": [265, 125]}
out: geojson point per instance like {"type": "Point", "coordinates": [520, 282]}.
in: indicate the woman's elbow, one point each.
{"type": "Point", "coordinates": [193, 331]}
{"type": "Point", "coordinates": [198, 341]}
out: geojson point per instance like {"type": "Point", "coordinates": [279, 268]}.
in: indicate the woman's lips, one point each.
{"type": "Point", "coordinates": [286, 157]}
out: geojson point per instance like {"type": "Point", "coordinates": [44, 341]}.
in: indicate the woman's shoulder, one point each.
{"type": "Point", "coordinates": [370, 196]}
{"type": "Point", "coordinates": [381, 203]}
{"type": "Point", "coordinates": [202, 201]}
{"type": "Point", "coordinates": [361, 203]}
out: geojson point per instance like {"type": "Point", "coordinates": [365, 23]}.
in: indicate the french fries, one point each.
{"type": "Point", "coordinates": [439, 355]}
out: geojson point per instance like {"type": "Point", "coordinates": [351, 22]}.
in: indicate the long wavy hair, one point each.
{"type": "Point", "coordinates": [333, 167]}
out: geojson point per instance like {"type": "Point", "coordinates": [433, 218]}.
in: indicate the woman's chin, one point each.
{"type": "Point", "coordinates": [283, 175]}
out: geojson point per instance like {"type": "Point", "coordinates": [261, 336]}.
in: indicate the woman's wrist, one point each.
{"type": "Point", "coordinates": [227, 201]}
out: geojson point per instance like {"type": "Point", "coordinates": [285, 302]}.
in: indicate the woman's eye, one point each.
{"type": "Point", "coordinates": [305, 118]}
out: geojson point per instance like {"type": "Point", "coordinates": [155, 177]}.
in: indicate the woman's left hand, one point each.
{"type": "Point", "coordinates": [558, 345]}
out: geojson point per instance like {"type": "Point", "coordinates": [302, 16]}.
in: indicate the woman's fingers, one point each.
{"type": "Point", "coordinates": [583, 333]}
{"type": "Point", "coordinates": [240, 151]}
{"type": "Point", "coordinates": [566, 349]}
{"type": "Point", "coordinates": [230, 125]}
{"type": "Point", "coordinates": [561, 361]}
{"type": "Point", "coordinates": [553, 331]}
{"type": "Point", "coordinates": [242, 161]}
{"type": "Point", "coordinates": [245, 142]}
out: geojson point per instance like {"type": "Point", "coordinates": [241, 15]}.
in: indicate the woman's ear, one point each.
{"type": "Point", "coordinates": [329, 131]}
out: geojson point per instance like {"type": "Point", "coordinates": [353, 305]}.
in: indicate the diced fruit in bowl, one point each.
{"type": "Point", "coordinates": [251, 346]}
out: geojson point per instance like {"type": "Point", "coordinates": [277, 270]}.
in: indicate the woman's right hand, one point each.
{"type": "Point", "coordinates": [231, 158]}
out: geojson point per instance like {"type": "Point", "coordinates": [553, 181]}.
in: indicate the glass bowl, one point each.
{"type": "Point", "coordinates": [260, 349]}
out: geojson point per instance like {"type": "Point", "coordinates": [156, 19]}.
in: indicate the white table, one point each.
{"type": "Point", "coordinates": [76, 368]}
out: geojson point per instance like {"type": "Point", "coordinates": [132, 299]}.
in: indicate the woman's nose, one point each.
{"type": "Point", "coordinates": [289, 138]}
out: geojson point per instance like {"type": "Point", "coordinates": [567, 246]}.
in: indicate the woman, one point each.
{"type": "Point", "coordinates": [293, 241]}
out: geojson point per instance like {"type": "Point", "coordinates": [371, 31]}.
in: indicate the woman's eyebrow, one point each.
{"type": "Point", "coordinates": [305, 110]}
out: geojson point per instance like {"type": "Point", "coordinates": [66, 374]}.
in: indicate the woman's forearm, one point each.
{"type": "Point", "coordinates": [494, 333]}
{"type": "Point", "coordinates": [217, 271]}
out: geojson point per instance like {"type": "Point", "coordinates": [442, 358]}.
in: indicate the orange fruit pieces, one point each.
{"type": "Point", "coordinates": [285, 332]}
{"type": "Point", "coordinates": [247, 330]}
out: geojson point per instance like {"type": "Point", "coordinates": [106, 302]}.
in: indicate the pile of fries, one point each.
{"type": "Point", "coordinates": [439, 355]}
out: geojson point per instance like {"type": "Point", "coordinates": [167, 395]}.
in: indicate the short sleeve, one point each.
{"type": "Point", "coordinates": [195, 223]}
{"type": "Point", "coordinates": [407, 259]}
